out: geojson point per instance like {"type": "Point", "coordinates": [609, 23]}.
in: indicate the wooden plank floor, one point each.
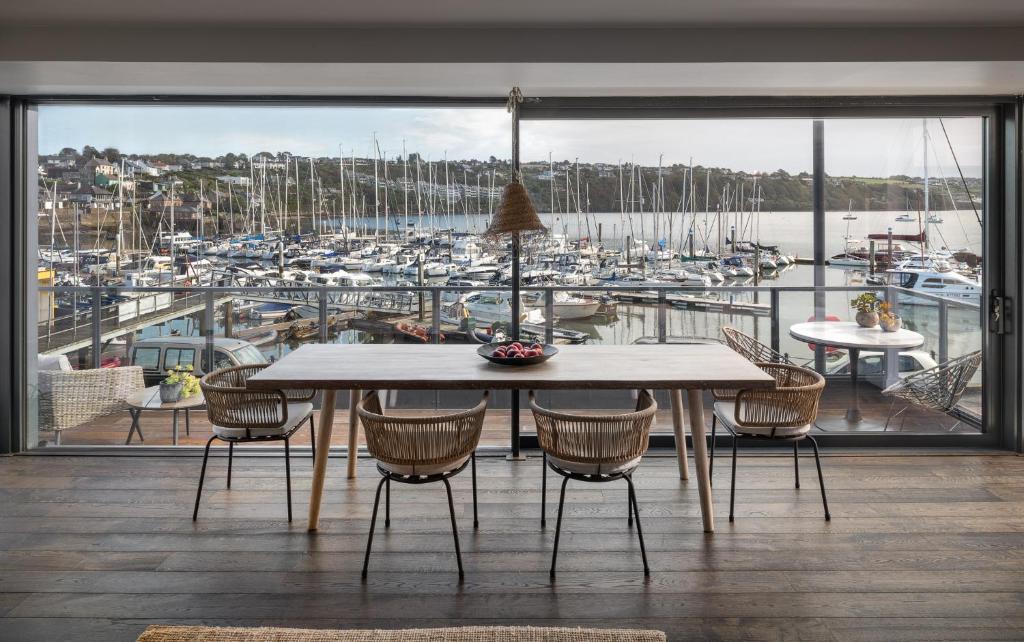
{"type": "Point", "coordinates": [927, 547]}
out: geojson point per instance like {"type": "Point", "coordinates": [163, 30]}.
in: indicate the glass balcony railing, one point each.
{"type": "Point", "coordinates": [225, 324]}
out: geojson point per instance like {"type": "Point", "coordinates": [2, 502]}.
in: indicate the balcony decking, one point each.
{"type": "Point", "coordinates": [156, 426]}
{"type": "Point", "coordinates": [94, 548]}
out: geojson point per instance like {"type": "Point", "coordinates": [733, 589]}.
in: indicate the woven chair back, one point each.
{"type": "Point", "coordinates": [750, 348]}
{"type": "Point", "coordinates": [70, 399]}
{"type": "Point", "coordinates": [420, 441]}
{"type": "Point", "coordinates": [792, 403]}
{"type": "Point", "coordinates": [231, 405]}
{"type": "Point", "coordinates": [595, 439]}
{"type": "Point", "coordinates": [939, 388]}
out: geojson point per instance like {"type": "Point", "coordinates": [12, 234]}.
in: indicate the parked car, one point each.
{"type": "Point", "coordinates": [159, 354]}
{"type": "Point", "coordinates": [872, 363]}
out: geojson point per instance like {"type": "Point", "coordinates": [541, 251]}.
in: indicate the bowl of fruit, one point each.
{"type": "Point", "coordinates": [516, 353]}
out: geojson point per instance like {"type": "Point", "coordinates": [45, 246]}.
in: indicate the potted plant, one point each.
{"type": "Point", "coordinates": [180, 382]}
{"type": "Point", "coordinates": [867, 306]}
{"type": "Point", "coordinates": [888, 319]}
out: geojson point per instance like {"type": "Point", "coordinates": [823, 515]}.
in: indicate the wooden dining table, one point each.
{"type": "Point", "coordinates": [363, 367]}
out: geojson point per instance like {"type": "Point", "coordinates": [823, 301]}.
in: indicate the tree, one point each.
{"type": "Point", "coordinates": [112, 154]}
{"type": "Point", "coordinates": [89, 151]}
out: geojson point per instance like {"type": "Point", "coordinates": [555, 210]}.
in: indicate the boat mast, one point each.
{"type": "Point", "coordinates": [376, 192]}
{"type": "Point", "coordinates": [341, 181]}
{"type": "Point", "coordinates": [405, 186]}
{"type": "Point", "coordinates": [120, 220]}
{"type": "Point", "coordinates": [927, 218]}
{"type": "Point", "coordinates": [551, 185]}
{"type": "Point", "coordinates": [312, 196]}
{"type": "Point", "coordinates": [298, 198]}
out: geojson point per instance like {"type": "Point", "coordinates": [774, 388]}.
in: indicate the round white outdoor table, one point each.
{"type": "Point", "coordinates": [149, 399]}
{"type": "Point", "coordinates": [852, 337]}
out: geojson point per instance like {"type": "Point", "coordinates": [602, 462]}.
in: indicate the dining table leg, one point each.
{"type": "Point", "coordinates": [695, 403]}
{"type": "Point", "coordinates": [680, 432]}
{"type": "Point", "coordinates": [323, 446]}
{"type": "Point", "coordinates": [353, 432]}
{"type": "Point", "coordinates": [853, 414]}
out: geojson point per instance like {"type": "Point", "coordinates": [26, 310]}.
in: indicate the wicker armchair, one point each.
{"type": "Point", "coordinates": [939, 388]}
{"type": "Point", "coordinates": [783, 413]}
{"type": "Point", "coordinates": [594, 448]}
{"type": "Point", "coordinates": [240, 415]}
{"type": "Point", "coordinates": [420, 450]}
{"type": "Point", "coordinates": [70, 399]}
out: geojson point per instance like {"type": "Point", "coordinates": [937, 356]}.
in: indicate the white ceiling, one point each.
{"type": "Point", "coordinates": [495, 79]}
{"type": "Point", "coordinates": [494, 13]}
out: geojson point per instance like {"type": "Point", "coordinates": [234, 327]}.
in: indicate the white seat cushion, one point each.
{"type": "Point", "coordinates": [594, 469]}
{"type": "Point", "coordinates": [726, 413]}
{"type": "Point", "coordinates": [297, 413]}
{"type": "Point", "coordinates": [422, 469]}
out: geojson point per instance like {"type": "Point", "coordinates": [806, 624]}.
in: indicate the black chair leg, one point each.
{"type": "Point", "coordinates": [288, 477]}
{"type": "Point", "coordinates": [796, 462]}
{"type": "Point", "coordinates": [639, 531]}
{"type": "Point", "coordinates": [455, 527]}
{"type": "Point", "coordinates": [231, 452]}
{"type": "Point", "coordinates": [312, 436]}
{"type": "Point", "coordinates": [543, 490]}
{"type": "Point", "coordinates": [732, 486]}
{"type": "Point", "coordinates": [373, 522]}
{"type": "Point", "coordinates": [387, 503]}
{"type": "Point", "coordinates": [202, 476]}
{"type": "Point", "coordinates": [476, 517]}
{"type": "Point", "coordinates": [711, 458]}
{"type": "Point", "coordinates": [821, 479]}
{"type": "Point", "coordinates": [558, 526]}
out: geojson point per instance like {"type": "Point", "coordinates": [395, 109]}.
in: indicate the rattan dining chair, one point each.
{"type": "Point", "coordinates": [756, 352]}
{"type": "Point", "coordinates": [783, 413]}
{"type": "Point", "coordinates": [240, 415]}
{"type": "Point", "coordinates": [420, 450]}
{"type": "Point", "coordinates": [752, 349]}
{"type": "Point", "coordinates": [594, 448]}
{"type": "Point", "coordinates": [939, 388]}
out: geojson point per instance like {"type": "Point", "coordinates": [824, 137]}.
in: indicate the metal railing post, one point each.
{"type": "Point", "coordinates": [549, 316]}
{"type": "Point", "coordinates": [322, 295]}
{"type": "Point", "coordinates": [435, 316]}
{"type": "Point", "coordinates": [662, 316]}
{"type": "Point", "coordinates": [208, 331]}
{"type": "Point", "coordinates": [774, 297]}
{"type": "Point", "coordinates": [943, 331]}
{"type": "Point", "coordinates": [97, 321]}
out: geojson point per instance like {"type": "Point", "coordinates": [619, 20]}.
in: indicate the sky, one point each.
{"type": "Point", "coordinates": [874, 147]}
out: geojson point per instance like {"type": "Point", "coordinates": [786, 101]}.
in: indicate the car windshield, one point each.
{"type": "Point", "coordinates": [248, 355]}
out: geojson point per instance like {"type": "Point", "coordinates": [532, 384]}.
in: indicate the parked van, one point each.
{"type": "Point", "coordinates": [157, 355]}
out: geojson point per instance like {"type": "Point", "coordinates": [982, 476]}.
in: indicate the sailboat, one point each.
{"type": "Point", "coordinates": [849, 214]}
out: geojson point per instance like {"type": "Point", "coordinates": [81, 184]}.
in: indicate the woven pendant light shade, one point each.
{"type": "Point", "coordinates": [515, 213]}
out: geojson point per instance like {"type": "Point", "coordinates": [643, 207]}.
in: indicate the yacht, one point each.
{"type": "Point", "coordinates": [948, 285]}
{"type": "Point", "coordinates": [489, 308]}
{"type": "Point", "coordinates": [568, 307]}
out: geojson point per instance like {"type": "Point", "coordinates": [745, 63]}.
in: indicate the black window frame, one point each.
{"type": "Point", "coordinates": [1001, 248]}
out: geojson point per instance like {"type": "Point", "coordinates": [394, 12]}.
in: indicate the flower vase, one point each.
{"type": "Point", "coordinates": [890, 323]}
{"type": "Point", "coordinates": [170, 392]}
{"type": "Point", "coordinates": [867, 319]}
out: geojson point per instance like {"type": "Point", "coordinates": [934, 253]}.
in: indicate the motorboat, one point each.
{"type": "Point", "coordinates": [948, 285]}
